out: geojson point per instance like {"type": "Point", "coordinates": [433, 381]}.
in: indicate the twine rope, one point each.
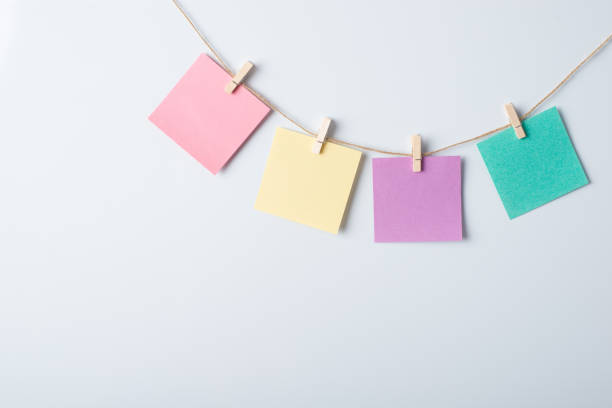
{"type": "Point", "coordinates": [372, 149]}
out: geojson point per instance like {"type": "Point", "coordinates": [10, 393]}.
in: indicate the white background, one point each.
{"type": "Point", "coordinates": [131, 277]}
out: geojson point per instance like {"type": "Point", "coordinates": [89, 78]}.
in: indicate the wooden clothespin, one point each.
{"type": "Point", "coordinates": [515, 121]}
{"type": "Point", "coordinates": [417, 156]}
{"type": "Point", "coordinates": [318, 144]}
{"type": "Point", "coordinates": [238, 78]}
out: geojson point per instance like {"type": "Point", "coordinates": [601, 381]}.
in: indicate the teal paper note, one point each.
{"type": "Point", "coordinates": [533, 171]}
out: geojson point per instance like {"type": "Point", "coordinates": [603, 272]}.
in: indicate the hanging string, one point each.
{"type": "Point", "coordinates": [372, 149]}
{"type": "Point", "coordinates": [229, 71]}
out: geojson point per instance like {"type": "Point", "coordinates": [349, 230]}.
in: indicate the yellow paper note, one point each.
{"type": "Point", "coordinates": [305, 187]}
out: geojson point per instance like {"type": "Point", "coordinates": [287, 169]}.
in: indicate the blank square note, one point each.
{"type": "Point", "coordinates": [204, 120]}
{"type": "Point", "coordinates": [535, 170]}
{"type": "Point", "coordinates": [299, 185]}
{"type": "Point", "coordinates": [417, 206]}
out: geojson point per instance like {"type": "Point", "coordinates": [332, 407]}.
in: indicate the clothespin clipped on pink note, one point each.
{"type": "Point", "coordinates": [321, 136]}
{"type": "Point", "coordinates": [239, 77]}
{"type": "Point", "coordinates": [515, 120]}
{"type": "Point", "coordinates": [417, 156]}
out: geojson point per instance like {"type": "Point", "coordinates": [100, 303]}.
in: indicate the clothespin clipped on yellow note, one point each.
{"type": "Point", "coordinates": [239, 77]}
{"type": "Point", "coordinates": [321, 136]}
{"type": "Point", "coordinates": [515, 120]}
{"type": "Point", "coordinates": [417, 156]}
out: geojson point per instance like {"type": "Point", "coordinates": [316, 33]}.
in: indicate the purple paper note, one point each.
{"type": "Point", "coordinates": [424, 206]}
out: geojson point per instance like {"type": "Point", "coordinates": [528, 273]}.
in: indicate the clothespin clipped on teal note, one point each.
{"type": "Point", "coordinates": [238, 78]}
{"type": "Point", "coordinates": [515, 120]}
{"type": "Point", "coordinates": [321, 136]}
{"type": "Point", "coordinates": [417, 156]}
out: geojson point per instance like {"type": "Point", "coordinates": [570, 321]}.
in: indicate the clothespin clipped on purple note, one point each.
{"type": "Point", "coordinates": [239, 77]}
{"type": "Point", "coordinates": [515, 121]}
{"type": "Point", "coordinates": [321, 136]}
{"type": "Point", "coordinates": [417, 155]}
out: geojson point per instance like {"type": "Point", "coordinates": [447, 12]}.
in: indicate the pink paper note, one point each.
{"type": "Point", "coordinates": [424, 206]}
{"type": "Point", "coordinates": [204, 120]}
